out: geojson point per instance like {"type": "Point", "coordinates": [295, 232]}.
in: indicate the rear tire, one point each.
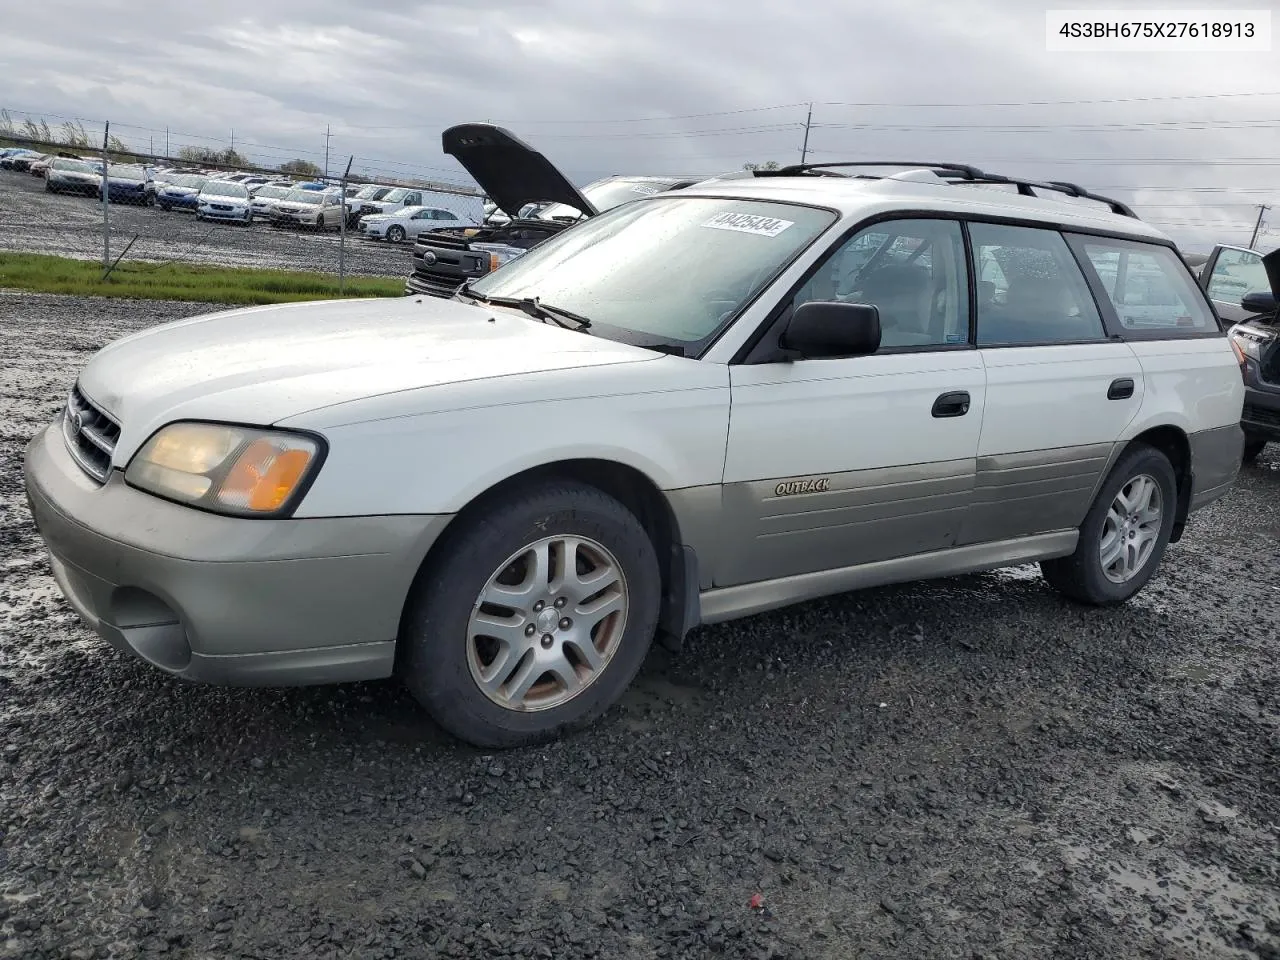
{"type": "Point", "coordinates": [555, 661]}
{"type": "Point", "coordinates": [1131, 536]}
{"type": "Point", "coordinates": [1253, 449]}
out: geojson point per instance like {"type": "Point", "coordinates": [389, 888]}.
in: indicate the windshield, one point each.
{"type": "Point", "coordinates": [396, 195]}
{"type": "Point", "coordinates": [304, 196]}
{"type": "Point", "coordinates": [127, 172]}
{"type": "Point", "coordinates": [224, 188]}
{"type": "Point", "coordinates": [73, 166]}
{"type": "Point", "coordinates": [671, 269]}
{"type": "Point", "coordinates": [188, 180]}
{"type": "Point", "coordinates": [607, 194]}
{"type": "Point", "coordinates": [272, 193]}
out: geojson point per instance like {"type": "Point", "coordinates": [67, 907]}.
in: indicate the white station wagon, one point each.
{"type": "Point", "coordinates": [694, 407]}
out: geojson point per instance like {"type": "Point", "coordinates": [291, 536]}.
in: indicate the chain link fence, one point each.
{"type": "Point", "coordinates": [159, 215]}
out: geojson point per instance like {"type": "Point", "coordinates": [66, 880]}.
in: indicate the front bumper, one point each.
{"type": "Point", "coordinates": [187, 201]}
{"type": "Point", "coordinates": [90, 187]}
{"type": "Point", "coordinates": [1261, 416]}
{"type": "Point", "coordinates": [415, 285]}
{"type": "Point", "coordinates": [224, 600]}
{"type": "Point", "coordinates": [211, 213]}
{"type": "Point", "coordinates": [127, 194]}
{"type": "Point", "coordinates": [302, 219]}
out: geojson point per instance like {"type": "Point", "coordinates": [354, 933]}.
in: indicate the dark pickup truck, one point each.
{"type": "Point", "coordinates": [514, 176]}
{"type": "Point", "coordinates": [1244, 286]}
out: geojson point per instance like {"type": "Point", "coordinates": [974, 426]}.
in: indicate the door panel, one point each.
{"type": "Point", "coordinates": [833, 463]}
{"type": "Point", "coordinates": [1047, 433]}
{"type": "Point", "coordinates": [1056, 403]}
{"type": "Point", "coordinates": [1229, 274]}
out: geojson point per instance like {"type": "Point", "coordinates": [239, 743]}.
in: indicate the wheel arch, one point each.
{"type": "Point", "coordinates": [635, 490]}
{"type": "Point", "coordinates": [1174, 443]}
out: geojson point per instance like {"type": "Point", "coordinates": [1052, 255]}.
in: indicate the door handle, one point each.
{"type": "Point", "coordinates": [954, 404]}
{"type": "Point", "coordinates": [1121, 389]}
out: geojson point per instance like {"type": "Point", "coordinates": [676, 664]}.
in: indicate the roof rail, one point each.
{"type": "Point", "coordinates": [957, 173]}
{"type": "Point", "coordinates": [798, 168]}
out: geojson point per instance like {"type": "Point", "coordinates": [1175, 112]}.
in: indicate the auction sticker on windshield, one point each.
{"type": "Point", "coordinates": [749, 223]}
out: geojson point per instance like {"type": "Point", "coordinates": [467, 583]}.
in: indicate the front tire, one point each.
{"type": "Point", "coordinates": [395, 233]}
{"type": "Point", "coordinates": [320, 221]}
{"type": "Point", "coordinates": [1253, 449]}
{"type": "Point", "coordinates": [1124, 534]}
{"type": "Point", "coordinates": [534, 617]}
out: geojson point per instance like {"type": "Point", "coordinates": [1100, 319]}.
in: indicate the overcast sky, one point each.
{"type": "Point", "coordinates": [613, 87]}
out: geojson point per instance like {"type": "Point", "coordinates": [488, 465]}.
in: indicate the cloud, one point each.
{"type": "Point", "coordinates": [575, 77]}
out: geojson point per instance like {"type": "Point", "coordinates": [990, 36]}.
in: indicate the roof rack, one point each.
{"type": "Point", "coordinates": [956, 173]}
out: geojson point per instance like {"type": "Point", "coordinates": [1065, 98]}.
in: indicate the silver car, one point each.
{"type": "Point", "coordinates": [67, 175]}
{"type": "Point", "coordinates": [322, 209]}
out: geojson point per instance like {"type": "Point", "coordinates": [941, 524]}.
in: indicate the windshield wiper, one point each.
{"type": "Point", "coordinates": [541, 311]}
{"type": "Point", "coordinates": [674, 349]}
{"type": "Point", "coordinates": [466, 291]}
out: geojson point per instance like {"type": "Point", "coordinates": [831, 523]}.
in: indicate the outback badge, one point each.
{"type": "Point", "coordinates": [789, 488]}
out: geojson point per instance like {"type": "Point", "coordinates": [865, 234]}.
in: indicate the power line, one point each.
{"type": "Point", "coordinates": [1057, 103]}
{"type": "Point", "coordinates": [1139, 126]}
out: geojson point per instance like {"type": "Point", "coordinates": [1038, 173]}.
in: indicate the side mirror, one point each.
{"type": "Point", "coordinates": [819, 329]}
{"type": "Point", "coordinates": [1260, 301]}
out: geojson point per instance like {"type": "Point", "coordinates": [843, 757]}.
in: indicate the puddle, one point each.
{"type": "Point", "coordinates": [1195, 907]}
{"type": "Point", "coordinates": [1195, 672]}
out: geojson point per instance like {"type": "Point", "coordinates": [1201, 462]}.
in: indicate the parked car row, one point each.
{"type": "Point", "coordinates": [394, 214]}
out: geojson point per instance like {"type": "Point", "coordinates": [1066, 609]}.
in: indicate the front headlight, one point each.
{"type": "Point", "coordinates": [1247, 343]}
{"type": "Point", "coordinates": [241, 471]}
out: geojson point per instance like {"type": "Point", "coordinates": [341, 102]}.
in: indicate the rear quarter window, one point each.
{"type": "Point", "coordinates": [1148, 287]}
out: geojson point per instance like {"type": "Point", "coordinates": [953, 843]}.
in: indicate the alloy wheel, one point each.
{"type": "Point", "coordinates": [547, 623]}
{"type": "Point", "coordinates": [1131, 529]}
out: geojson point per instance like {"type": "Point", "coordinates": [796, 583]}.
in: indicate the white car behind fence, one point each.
{"type": "Point", "coordinates": [406, 224]}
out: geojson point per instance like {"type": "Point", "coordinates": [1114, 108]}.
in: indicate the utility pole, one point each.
{"type": "Point", "coordinates": [326, 151]}
{"type": "Point", "coordinates": [808, 121]}
{"type": "Point", "coordinates": [106, 202]}
{"type": "Point", "coordinates": [1262, 208]}
{"type": "Point", "coordinates": [233, 141]}
{"type": "Point", "coordinates": [166, 143]}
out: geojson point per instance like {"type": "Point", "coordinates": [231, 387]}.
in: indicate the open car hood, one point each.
{"type": "Point", "coordinates": [510, 171]}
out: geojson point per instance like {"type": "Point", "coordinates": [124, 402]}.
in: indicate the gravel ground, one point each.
{"type": "Point", "coordinates": [33, 221]}
{"type": "Point", "coordinates": [960, 769]}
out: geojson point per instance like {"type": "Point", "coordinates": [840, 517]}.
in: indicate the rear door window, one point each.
{"type": "Point", "coordinates": [1149, 287]}
{"type": "Point", "coordinates": [1030, 288]}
